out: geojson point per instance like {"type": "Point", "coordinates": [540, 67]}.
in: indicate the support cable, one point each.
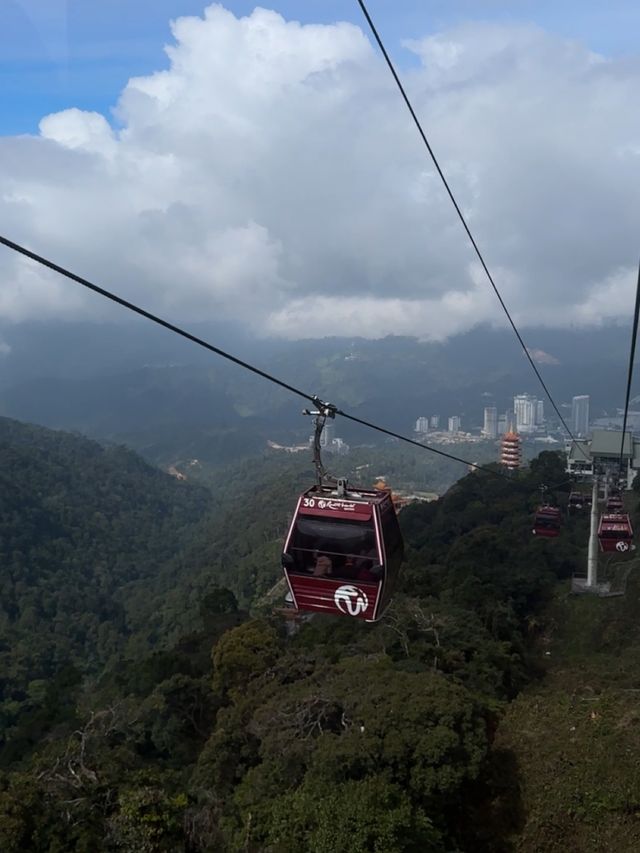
{"type": "Point", "coordinates": [632, 355]}
{"type": "Point", "coordinates": [149, 316]}
{"type": "Point", "coordinates": [392, 434]}
{"type": "Point", "coordinates": [317, 402]}
{"type": "Point", "coordinates": [463, 220]}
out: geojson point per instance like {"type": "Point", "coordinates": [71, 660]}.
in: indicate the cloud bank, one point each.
{"type": "Point", "coordinates": [272, 175]}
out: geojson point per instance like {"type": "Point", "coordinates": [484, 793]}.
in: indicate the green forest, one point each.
{"type": "Point", "coordinates": [152, 698]}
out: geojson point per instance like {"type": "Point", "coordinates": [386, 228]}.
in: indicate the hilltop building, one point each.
{"type": "Point", "coordinates": [434, 421]}
{"type": "Point", "coordinates": [454, 423]}
{"type": "Point", "coordinates": [580, 415]}
{"type": "Point", "coordinates": [422, 425]}
{"type": "Point", "coordinates": [511, 451]}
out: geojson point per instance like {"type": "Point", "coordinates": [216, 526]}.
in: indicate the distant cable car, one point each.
{"type": "Point", "coordinates": [344, 548]}
{"type": "Point", "coordinates": [615, 504]}
{"type": "Point", "coordinates": [579, 500]}
{"type": "Point", "coordinates": [546, 522]}
{"type": "Point", "coordinates": [615, 532]}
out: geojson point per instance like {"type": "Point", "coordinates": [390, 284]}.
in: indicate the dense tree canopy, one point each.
{"type": "Point", "coordinates": [142, 709]}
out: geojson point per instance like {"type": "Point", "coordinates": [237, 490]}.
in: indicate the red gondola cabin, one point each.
{"type": "Point", "coordinates": [615, 504]}
{"type": "Point", "coordinates": [547, 522]}
{"type": "Point", "coordinates": [579, 500]}
{"type": "Point", "coordinates": [342, 553]}
{"type": "Point", "coordinates": [615, 532]}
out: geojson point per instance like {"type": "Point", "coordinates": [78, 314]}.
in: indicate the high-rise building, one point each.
{"type": "Point", "coordinates": [525, 408]}
{"type": "Point", "coordinates": [580, 415]}
{"type": "Point", "coordinates": [434, 421]}
{"type": "Point", "coordinates": [490, 429]}
{"type": "Point", "coordinates": [329, 442]}
{"type": "Point", "coordinates": [503, 424]}
{"type": "Point", "coordinates": [422, 424]}
{"type": "Point", "coordinates": [454, 423]}
{"type": "Point", "coordinates": [328, 434]}
{"type": "Point", "coordinates": [511, 451]}
{"type": "Point", "coordinates": [539, 412]}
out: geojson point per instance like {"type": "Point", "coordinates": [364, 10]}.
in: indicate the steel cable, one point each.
{"type": "Point", "coordinates": [479, 254]}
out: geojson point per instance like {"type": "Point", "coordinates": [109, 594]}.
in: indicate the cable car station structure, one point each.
{"type": "Point", "coordinates": [610, 464]}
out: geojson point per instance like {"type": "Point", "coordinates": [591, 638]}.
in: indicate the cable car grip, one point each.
{"type": "Point", "coordinates": [320, 414]}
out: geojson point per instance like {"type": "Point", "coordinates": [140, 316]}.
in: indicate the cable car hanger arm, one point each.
{"type": "Point", "coordinates": [320, 414]}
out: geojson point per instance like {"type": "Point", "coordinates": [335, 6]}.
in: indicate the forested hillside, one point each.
{"type": "Point", "coordinates": [576, 733]}
{"type": "Point", "coordinates": [343, 736]}
{"type": "Point", "coordinates": [79, 524]}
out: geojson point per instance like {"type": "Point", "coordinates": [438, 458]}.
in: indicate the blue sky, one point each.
{"type": "Point", "coordinates": [63, 53]}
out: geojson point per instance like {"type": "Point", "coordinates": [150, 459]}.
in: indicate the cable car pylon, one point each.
{"type": "Point", "coordinates": [592, 558]}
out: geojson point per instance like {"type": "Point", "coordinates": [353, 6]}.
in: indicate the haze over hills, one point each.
{"type": "Point", "coordinates": [141, 385]}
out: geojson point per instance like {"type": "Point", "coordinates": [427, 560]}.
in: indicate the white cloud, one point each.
{"type": "Point", "coordinates": [608, 299]}
{"type": "Point", "coordinates": [272, 175]}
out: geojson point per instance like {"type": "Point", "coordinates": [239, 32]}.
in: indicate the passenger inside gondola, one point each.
{"type": "Point", "coordinates": [323, 566]}
{"type": "Point", "coordinates": [335, 548]}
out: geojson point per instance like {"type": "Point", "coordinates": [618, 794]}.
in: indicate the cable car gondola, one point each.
{"type": "Point", "coordinates": [343, 550]}
{"type": "Point", "coordinates": [615, 532]}
{"type": "Point", "coordinates": [546, 522]}
{"type": "Point", "coordinates": [579, 500]}
{"type": "Point", "coordinates": [615, 504]}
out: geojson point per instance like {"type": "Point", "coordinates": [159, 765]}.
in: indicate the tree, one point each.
{"type": "Point", "coordinates": [351, 724]}
{"type": "Point", "coordinates": [370, 815]}
{"type": "Point", "coordinates": [244, 653]}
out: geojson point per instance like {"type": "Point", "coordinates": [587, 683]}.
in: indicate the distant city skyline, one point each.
{"type": "Point", "coordinates": [526, 416]}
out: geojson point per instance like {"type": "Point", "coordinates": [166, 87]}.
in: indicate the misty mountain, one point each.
{"type": "Point", "coordinates": [165, 396]}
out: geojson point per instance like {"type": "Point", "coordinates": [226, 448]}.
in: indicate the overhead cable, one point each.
{"type": "Point", "coordinates": [149, 316]}
{"type": "Point", "coordinates": [392, 434]}
{"type": "Point", "coordinates": [462, 219]}
{"type": "Point", "coordinates": [632, 356]}
{"type": "Point", "coordinates": [107, 294]}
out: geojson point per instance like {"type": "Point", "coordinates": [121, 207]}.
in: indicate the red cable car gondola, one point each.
{"type": "Point", "coordinates": [615, 504]}
{"type": "Point", "coordinates": [344, 548]}
{"type": "Point", "coordinates": [546, 522]}
{"type": "Point", "coordinates": [579, 500]}
{"type": "Point", "coordinates": [615, 532]}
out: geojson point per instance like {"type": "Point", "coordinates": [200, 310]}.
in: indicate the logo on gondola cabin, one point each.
{"type": "Point", "coordinates": [350, 600]}
{"type": "Point", "coordinates": [349, 506]}
{"type": "Point", "coordinates": [622, 546]}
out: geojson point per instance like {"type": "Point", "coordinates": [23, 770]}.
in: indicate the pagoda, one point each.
{"type": "Point", "coordinates": [511, 451]}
